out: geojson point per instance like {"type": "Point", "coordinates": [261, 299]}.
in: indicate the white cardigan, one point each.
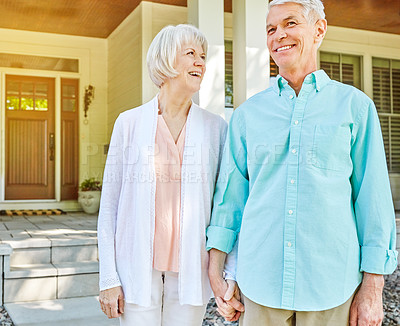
{"type": "Point", "coordinates": [127, 209]}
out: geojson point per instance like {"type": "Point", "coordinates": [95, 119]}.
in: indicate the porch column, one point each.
{"type": "Point", "coordinates": [250, 54]}
{"type": "Point", "coordinates": [208, 16]}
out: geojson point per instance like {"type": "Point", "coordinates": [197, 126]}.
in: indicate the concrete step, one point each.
{"type": "Point", "coordinates": [51, 281]}
{"type": "Point", "coordinates": [62, 312]}
{"type": "Point", "coordinates": [53, 249]}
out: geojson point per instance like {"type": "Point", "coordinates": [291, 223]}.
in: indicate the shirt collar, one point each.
{"type": "Point", "coordinates": [318, 78]}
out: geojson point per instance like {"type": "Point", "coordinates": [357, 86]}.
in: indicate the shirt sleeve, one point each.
{"type": "Point", "coordinates": [230, 264]}
{"type": "Point", "coordinates": [112, 182]}
{"type": "Point", "coordinates": [372, 199]}
{"type": "Point", "coordinates": [232, 189]}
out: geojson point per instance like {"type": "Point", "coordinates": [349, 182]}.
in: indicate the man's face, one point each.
{"type": "Point", "coordinates": [292, 41]}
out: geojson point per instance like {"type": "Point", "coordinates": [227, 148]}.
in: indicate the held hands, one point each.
{"type": "Point", "coordinates": [367, 309]}
{"type": "Point", "coordinates": [112, 302]}
{"type": "Point", "coordinates": [227, 298]}
{"type": "Point", "coordinates": [230, 306]}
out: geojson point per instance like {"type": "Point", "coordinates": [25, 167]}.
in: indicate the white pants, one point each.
{"type": "Point", "coordinates": [165, 309]}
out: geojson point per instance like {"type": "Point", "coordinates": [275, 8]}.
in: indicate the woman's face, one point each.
{"type": "Point", "coordinates": [190, 63]}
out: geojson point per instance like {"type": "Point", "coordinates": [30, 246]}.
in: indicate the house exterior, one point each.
{"type": "Point", "coordinates": [48, 145]}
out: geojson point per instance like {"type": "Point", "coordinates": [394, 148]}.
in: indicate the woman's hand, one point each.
{"type": "Point", "coordinates": [112, 302]}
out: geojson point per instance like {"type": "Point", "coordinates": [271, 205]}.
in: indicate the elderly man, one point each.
{"type": "Point", "coordinates": [304, 192]}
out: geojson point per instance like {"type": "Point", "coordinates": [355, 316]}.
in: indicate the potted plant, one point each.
{"type": "Point", "coordinates": [89, 195]}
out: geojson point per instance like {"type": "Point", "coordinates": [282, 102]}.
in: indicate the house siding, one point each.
{"type": "Point", "coordinates": [124, 67]}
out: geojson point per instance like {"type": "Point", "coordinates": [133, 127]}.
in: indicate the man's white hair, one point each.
{"type": "Point", "coordinates": [312, 9]}
{"type": "Point", "coordinates": [163, 49]}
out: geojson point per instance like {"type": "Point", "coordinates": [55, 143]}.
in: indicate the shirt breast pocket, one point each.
{"type": "Point", "coordinates": [331, 147]}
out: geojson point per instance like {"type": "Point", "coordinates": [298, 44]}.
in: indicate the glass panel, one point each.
{"type": "Point", "coordinates": [395, 64]}
{"type": "Point", "coordinates": [41, 104]}
{"type": "Point", "coordinates": [348, 74]}
{"type": "Point", "coordinates": [396, 86]}
{"type": "Point", "coordinates": [12, 103]}
{"type": "Point", "coordinates": [41, 89]}
{"type": "Point", "coordinates": [26, 103]}
{"type": "Point", "coordinates": [385, 133]}
{"type": "Point", "coordinates": [329, 57]}
{"type": "Point", "coordinates": [228, 74]}
{"type": "Point", "coordinates": [381, 63]}
{"type": "Point", "coordinates": [68, 105]}
{"type": "Point", "coordinates": [395, 143]}
{"type": "Point", "coordinates": [27, 89]}
{"type": "Point", "coordinates": [27, 95]}
{"type": "Point", "coordinates": [13, 88]}
{"type": "Point", "coordinates": [381, 88]}
{"type": "Point", "coordinates": [273, 68]}
{"type": "Point", "coordinates": [68, 91]}
{"type": "Point", "coordinates": [330, 63]}
{"type": "Point", "coordinates": [351, 70]}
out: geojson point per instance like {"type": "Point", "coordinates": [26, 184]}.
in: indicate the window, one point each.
{"type": "Point", "coordinates": [228, 75]}
{"type": "Point", "coordinates": [342, 67]}
{"type": "Point", "coordinates": [386, 95]}
{"type": "Point", "coordinates": [69, 138]}
{"type": "Point", "coordinates": [26, 95]}
{"type": "Point", "coordinates": [37, 62]}
{"type": "Point", "coordinates": [273, 68]}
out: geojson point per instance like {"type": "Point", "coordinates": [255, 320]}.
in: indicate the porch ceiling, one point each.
{"type": "Point", "coordinates": [98, 18]}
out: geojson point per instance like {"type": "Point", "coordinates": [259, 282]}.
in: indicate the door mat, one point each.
{"type": "Point", "coordinates": [31, 212]}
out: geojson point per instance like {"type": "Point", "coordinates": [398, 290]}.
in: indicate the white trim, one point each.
{"type": "Point", "coordinates": [57, 131]}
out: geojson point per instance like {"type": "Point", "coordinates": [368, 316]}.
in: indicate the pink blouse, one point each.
{"type": "Point", "coordinates": [167, 163]}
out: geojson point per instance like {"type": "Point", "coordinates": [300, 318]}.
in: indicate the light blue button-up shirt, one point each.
{"type": "Point", "coordinates": [304, 180]}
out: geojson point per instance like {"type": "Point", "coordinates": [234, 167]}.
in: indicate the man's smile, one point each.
{"type": "Point", "coordinates": [283, 48]}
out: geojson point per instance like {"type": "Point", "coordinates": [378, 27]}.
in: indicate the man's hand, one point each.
{"type": "Point", "coordinates": [226, 293]}
{"type": "Point", "coordinates": [367, 309]}
{"type": "Point", "coordinates": [112, 302]}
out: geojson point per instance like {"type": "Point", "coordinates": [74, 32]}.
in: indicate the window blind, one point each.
{"type": "Point", "coordinates": [386, 95]}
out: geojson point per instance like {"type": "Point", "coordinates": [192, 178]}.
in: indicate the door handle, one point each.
{"type": "Point", "coordinates": [51, 146]}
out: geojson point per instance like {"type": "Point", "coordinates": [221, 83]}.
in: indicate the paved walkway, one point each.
{"type": "Point", "coordinates": [59, 226]}
{"type": "Point", "coordinates": [62, 312]}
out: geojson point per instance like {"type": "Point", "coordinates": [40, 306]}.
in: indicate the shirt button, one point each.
{"type": "Point", "coordinates": [294, 151]}
{"type": "Point", "coordinates": [291, 96]}
{"type": "Point", "coordinates": [290, 212]}
{"type": "Point", "coordinates": [289, 244]}
{"type": "Point", "coordinates": [292, 181]}
{"type": "Point", "coordinates": [296, 122]}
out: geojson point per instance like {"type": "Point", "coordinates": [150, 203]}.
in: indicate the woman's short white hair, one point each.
{"type": "Point", "coordinates": [312, 9]}
{"type": "Point", "coordinates": [162, 52]}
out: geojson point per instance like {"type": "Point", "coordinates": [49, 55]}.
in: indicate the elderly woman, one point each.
{"type": "Point", "coordinates": [157, 193]}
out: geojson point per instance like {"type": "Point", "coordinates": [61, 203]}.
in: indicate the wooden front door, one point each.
{"type": "Point", "coordinates": [30, 138]}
